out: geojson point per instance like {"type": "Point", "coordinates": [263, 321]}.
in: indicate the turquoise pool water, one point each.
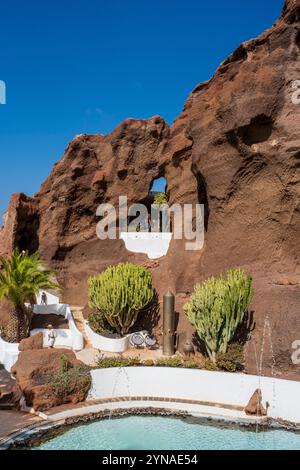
{"type": "Point", "coordinates": [156, 433]}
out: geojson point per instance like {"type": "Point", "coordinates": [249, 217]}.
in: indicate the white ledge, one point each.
{"type": "Point", "coordinates": [153, 244]}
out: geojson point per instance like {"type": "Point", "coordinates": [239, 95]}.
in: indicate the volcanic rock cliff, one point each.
{"type": "Point", "coordinates": [236, 149]}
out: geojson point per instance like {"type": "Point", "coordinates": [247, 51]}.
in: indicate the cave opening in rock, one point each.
{"type": "Point", "coordinates": [156, 195]}
{"type": "Point", "coordinates": [258, 131]}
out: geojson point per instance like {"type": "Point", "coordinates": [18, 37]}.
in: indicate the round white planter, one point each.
{"type": "Point", "coordinates": [105, 343]}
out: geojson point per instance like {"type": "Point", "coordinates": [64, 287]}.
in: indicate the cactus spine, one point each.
{"type": "Point", "coordinates": [120, 293]}
{"type": "Point", "coordinates": [217, 308]}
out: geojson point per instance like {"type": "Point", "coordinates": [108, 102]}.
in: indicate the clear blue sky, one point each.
{"type": "Point", "coordinates": [75, 67]}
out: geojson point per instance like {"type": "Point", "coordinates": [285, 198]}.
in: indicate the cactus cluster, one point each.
{"type": "Point", "coordinates": [218, 307]}
{"type": "Point", "coordinates": [119, 293]}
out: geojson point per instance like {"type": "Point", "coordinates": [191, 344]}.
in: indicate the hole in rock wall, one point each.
{"type": "Point", "coordinates": [157, 193]}
{"type": "Point", "coordinates": [148, 235]}
{"type": "Point", "coordinates": [259, 130]}
{"type": "Point", "coordinates": [27, 235]}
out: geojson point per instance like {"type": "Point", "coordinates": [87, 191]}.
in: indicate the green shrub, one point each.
{"type": "Point", "coordinates": [65, 363]}
{"type": "Point", "coordinates": [148, 363]}
{"type": "Point", "coordinates": [160, 199]}
{"type": "Point", "coordinates": [119, 293]}
{"type": "Point", "coordinates": [173, 361]}
{"type": "Point", "coordinates": [99, 325]}
{"type": "Point", "coordinates": [210, 365]}
{"type": "Point", "coordinates": [218, 307]}
{"type": "Point", "coordinates": [233, 359]}
{"type": "Point", "coordinates": [107, 362]}
{"type": "Point", "coordinates": [69, 382]}
{"type": "Point", "coordinates": [190, 364]}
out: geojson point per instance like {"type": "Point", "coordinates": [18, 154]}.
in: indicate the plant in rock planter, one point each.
{"type": "Point", "coordinates": [160, 199]}
{"type": "Point", "coordinates": [118, 295]}
{"type": "Point", "coordinates": [21, 278]}
{"type": "Point", "coordinates": [218, 307]}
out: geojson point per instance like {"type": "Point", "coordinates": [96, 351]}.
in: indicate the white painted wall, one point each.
{"type": "Point", "coordinates": [51, 298]}
{"type": "Point", "coordinates": [154, 245]}
{"type": "Point", "coordinates": [71, 338]}
{"type": "Point", "coordinates": [9, 353]}
{"type": "Point", "coordinates": [114, 345]}
{"type": "Point", "coordinates": [218, 387]}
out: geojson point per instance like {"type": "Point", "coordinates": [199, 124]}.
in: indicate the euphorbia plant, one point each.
{"type": "Point", "coordinates": [218, 307]}
{"type": "Point", "coordinates": [119, 293]}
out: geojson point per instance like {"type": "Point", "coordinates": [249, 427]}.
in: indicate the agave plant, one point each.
{"type": "Point", "coordinates": [21, 278]}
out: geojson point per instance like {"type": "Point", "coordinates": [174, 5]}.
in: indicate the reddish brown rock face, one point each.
{"type": "Point", "coordinates": [31, 372]}
{"type": "Point", "coordinates": [236, 149]}
{"type": "Point", "coordinates": [32, 343]}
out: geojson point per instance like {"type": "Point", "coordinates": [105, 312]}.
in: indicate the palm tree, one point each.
{"type": "Point", "coordinates": [21, 278]}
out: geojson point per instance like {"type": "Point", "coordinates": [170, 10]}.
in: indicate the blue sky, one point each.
{"type": "Point", "coordinates": [75, 67]}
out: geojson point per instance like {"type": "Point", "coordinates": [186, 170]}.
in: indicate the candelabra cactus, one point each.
{"type": "Point", "coordinates": [217, 308]}
{"type": "Point", "coordinates": [120, 293]}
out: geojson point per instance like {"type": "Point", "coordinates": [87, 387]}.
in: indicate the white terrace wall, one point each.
{"type": "Point", "coordinates": [218, 387]}
{"type": "Point", "coordinates": [70, 338]}
{"type": "Point", "coordinates": [154, 245]}
{"type": "Point", "coordinates": [51, 298]}
{"type": "Point", "coordinates": [9, 353]}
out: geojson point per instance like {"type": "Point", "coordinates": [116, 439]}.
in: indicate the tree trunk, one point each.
{"type": "Point", "coordinates": [17, 327]}
{"type": "Point", "coordinates": [212, 355]}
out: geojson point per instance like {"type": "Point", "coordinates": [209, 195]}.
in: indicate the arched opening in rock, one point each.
{"type": "Point", "coordinates": [156, 195]}
{"type": "Point", "coordinates": [159, 185]}
{"type": "Point", "coordinates": [149, 231]}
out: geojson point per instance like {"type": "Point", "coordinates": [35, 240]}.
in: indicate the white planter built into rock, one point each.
{"type": "Point", "coordinates": [69, 338]}
{"type": "Point", "coordinates": [154, 245]}
{"type": "Point", "coordinates": [106, 343]}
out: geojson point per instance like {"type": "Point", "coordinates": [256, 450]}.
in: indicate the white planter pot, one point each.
{"type": "Point", "coordinates": [105, 343]}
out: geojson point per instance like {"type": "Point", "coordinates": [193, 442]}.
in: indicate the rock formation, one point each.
{"type": "Point", "coordinates": [255, 406]}
{"type": "Point", "coordinates": [33, 342]}
{"type": "Point", "coordinates": [235, 148]}
{"type": "Point", "coordinates": [32, 371]}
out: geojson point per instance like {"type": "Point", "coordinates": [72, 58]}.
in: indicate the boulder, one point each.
{"type": "Point", "coordinates": [255, 406]}
{"type": "Point", "coordinates": [33, 342]}
{"type": "Point", "coordinates": [32, 372]}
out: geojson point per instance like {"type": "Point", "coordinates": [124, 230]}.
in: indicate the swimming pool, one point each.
{"type": "Point", "coordinates": [158, 433]}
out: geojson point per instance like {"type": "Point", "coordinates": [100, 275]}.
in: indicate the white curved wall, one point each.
{"type": "Point", "coordinates": [9, 353]}
{"type": "Point", "coordinates": [154, 245]}
{"type": "Point", "coordinates": [114, 345]}
{"type": "Point", "coordinates": [218, 387]}
{"type": "Point", "coordinates": [70, 338]}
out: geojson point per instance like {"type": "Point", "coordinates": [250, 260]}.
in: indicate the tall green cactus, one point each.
{"type": "Point", "coordinates": [120, 293]}
{"type": "Point", "coordinates": [217, 308]}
